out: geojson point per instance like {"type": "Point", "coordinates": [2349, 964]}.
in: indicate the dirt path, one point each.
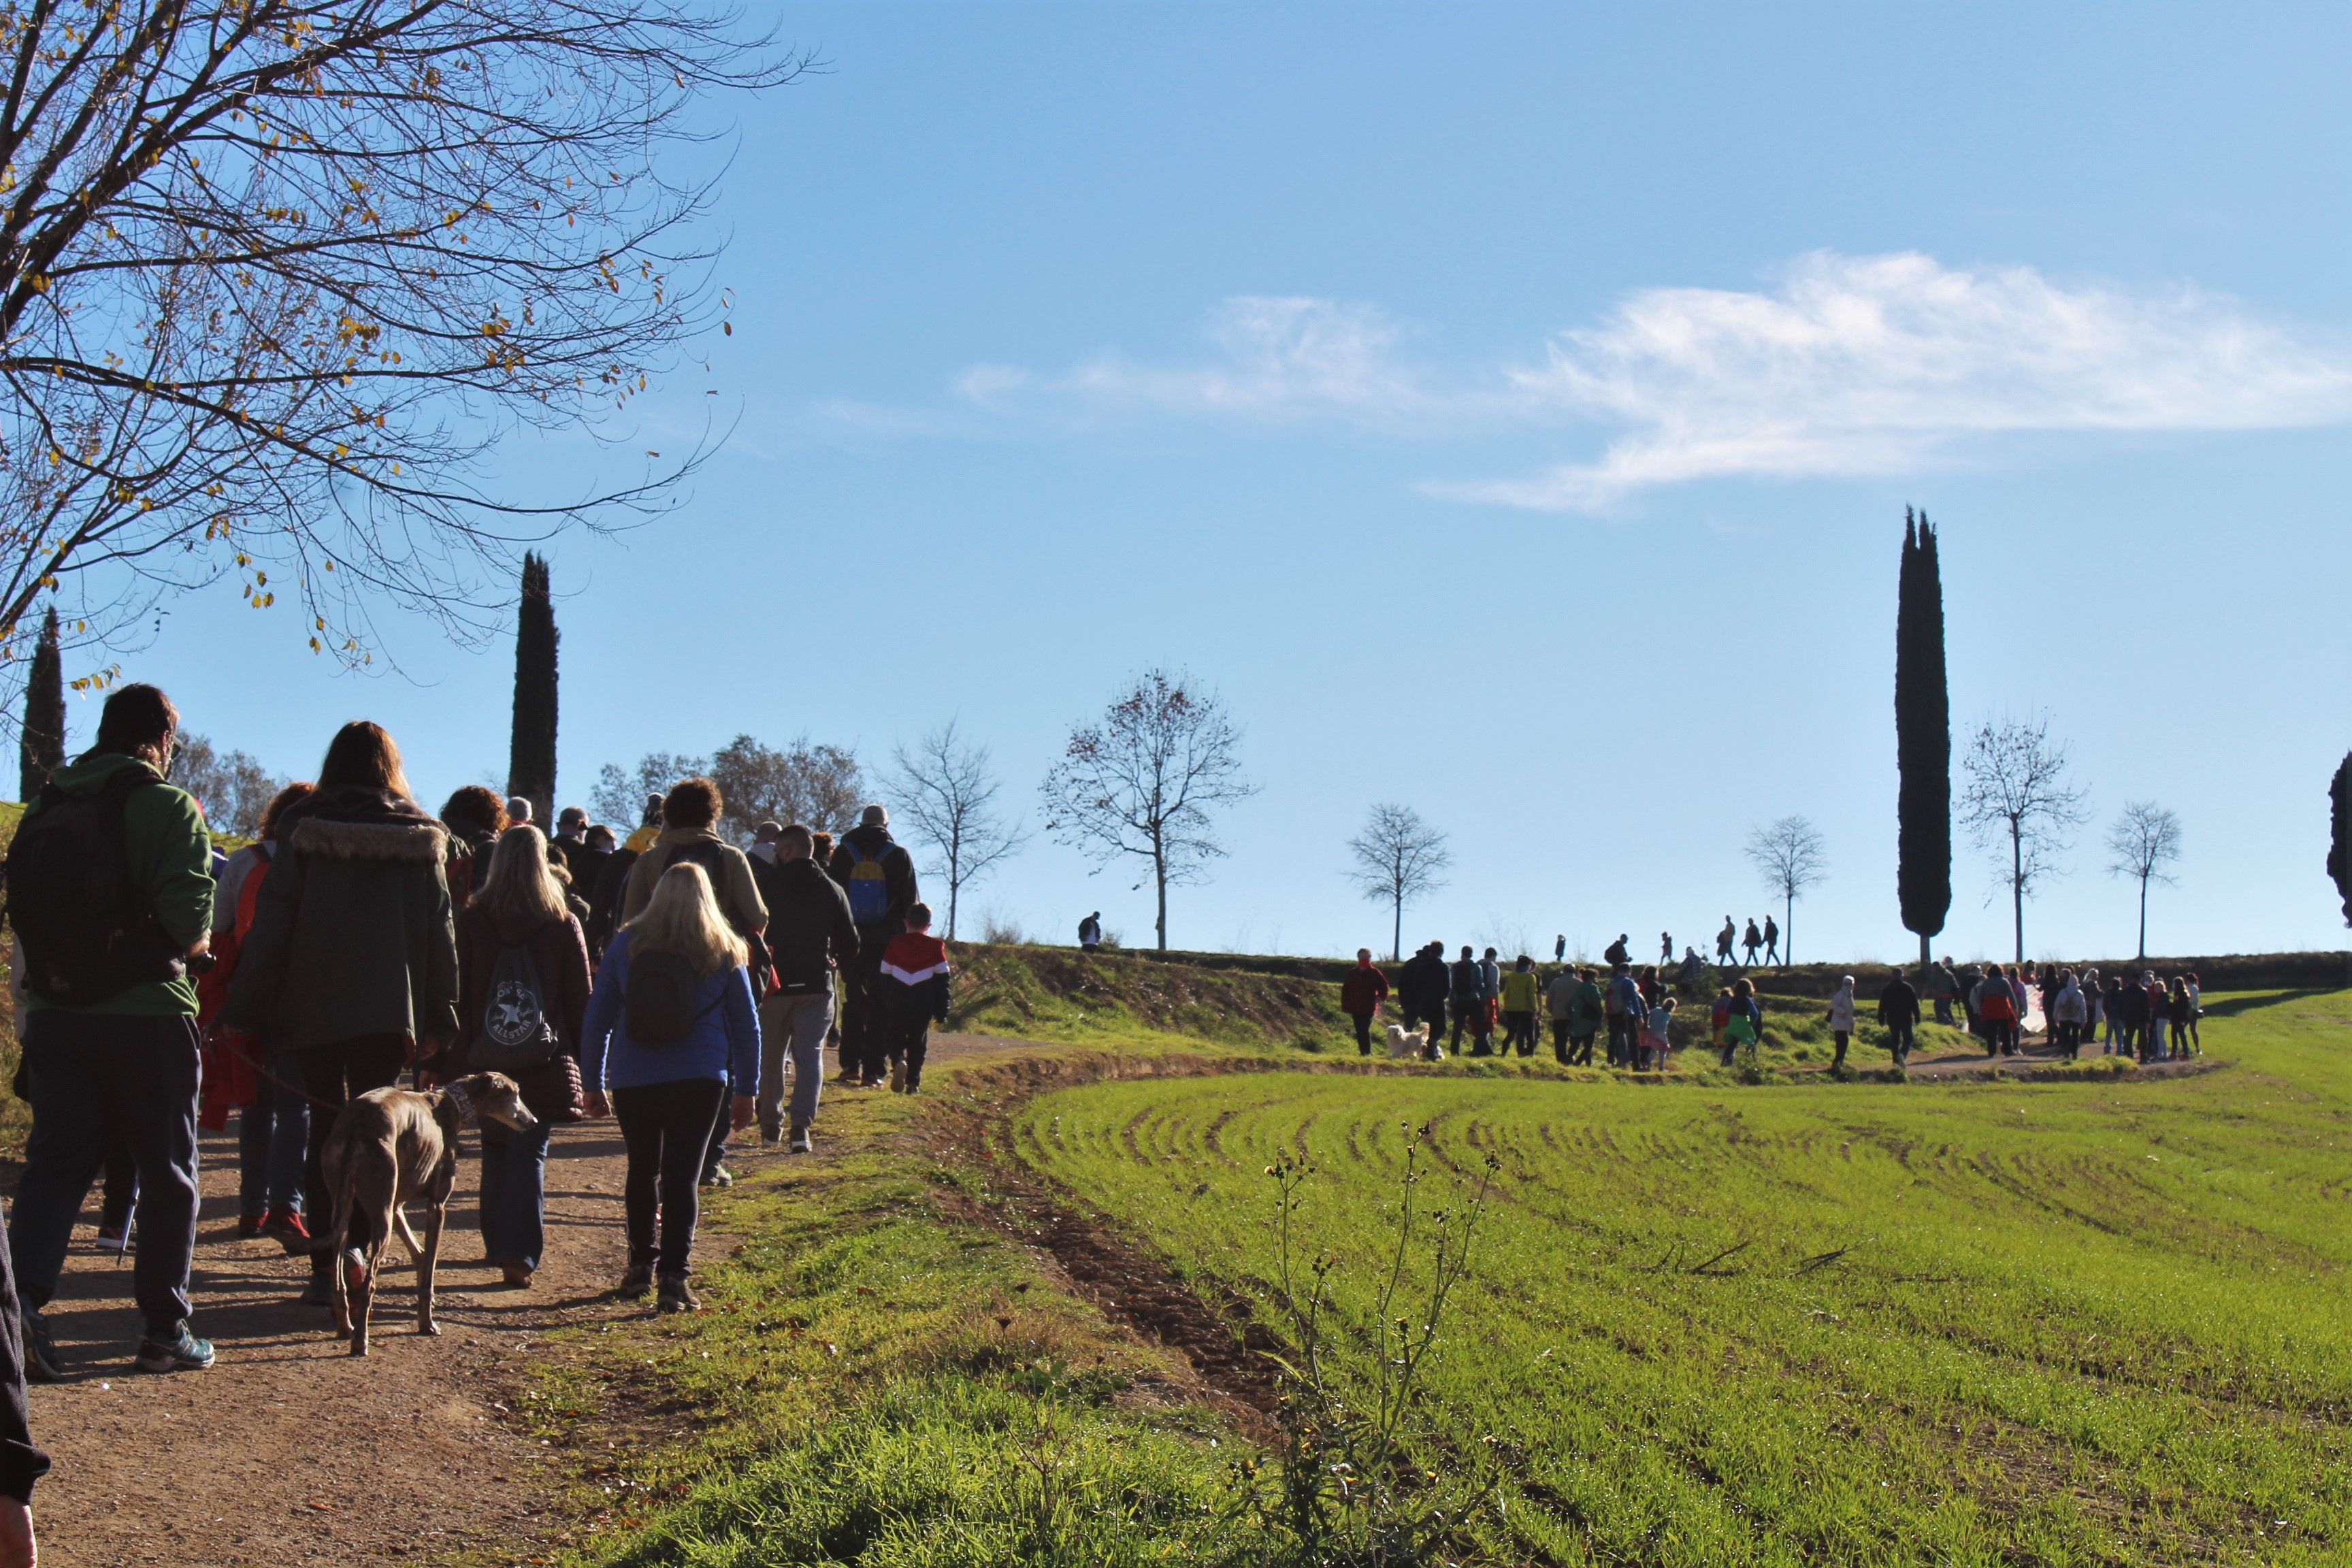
{"type": "Point", "coordinates": [289, 1452]}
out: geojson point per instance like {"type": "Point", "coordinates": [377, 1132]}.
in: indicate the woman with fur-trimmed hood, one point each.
{"type": "Point", "coordinates": [351, 968]}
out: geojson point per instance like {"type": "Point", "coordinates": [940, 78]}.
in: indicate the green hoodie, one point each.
{"type": "Point", "coordinates": [171, 857]}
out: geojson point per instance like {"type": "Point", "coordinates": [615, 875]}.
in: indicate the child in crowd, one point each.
{"type": "Point", "coordinates": [1656, 1040]}
{"type": "Point", "coordinates": [914, 993]}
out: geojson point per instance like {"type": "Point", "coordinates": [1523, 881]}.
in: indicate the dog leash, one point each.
{"type": "Point", "coordinates": [228, 1043]}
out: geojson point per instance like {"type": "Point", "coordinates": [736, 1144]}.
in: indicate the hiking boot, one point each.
{"type": "Point", "coordinates": [914, 1083]}
{"type": "Point", "coordinates": [320, 1291]}
{"type": "Point", "coordinates": [772, 1135]}
{"type": "Point", "coordinates": [175, 1350]}
{"type": "Point", "coordinates": [518, 1275]}
{"type": "Point", "coordinates": [40, 1349]}
{"type": "Point", "coordinates": [635, 1282]}
{"type": "Point", "coordinates": [677, 1295]}
{"type": "Point", "coordinates": [285, 1227]}
{"type": "Point", "coordinates": [718, 1176]}
{"type": "Point", "coordinates": [248, 1225]}
{"type": "Point", "coordinates": [897, 1077]}
{"type": "Point", "coordinates": [800, 1144]}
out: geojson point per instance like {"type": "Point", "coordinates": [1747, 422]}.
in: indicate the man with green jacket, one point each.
{"type": "Point", "coordinates": [114, 1047]}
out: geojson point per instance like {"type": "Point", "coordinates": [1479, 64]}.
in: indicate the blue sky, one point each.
{"type": "Point", "coordinates": [1511, 412]}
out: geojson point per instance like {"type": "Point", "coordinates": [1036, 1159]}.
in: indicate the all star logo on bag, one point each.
{"type": "Point", "coordinates": [516, 1033]}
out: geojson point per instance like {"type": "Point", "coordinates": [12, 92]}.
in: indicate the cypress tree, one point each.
{"type": "Point", "coordinates": [41, 745]}
{"type": "Point", "coordinates": [2339, 852]}
{"type": "Point", "coordinates": [1923, 738]}
{"type": "Point", "coordinates": [530, 762]}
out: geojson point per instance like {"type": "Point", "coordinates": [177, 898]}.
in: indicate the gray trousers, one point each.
{"type": "Point", "coordinates": [796, 1025]}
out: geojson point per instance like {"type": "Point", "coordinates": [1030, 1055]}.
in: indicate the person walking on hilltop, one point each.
{"type": "Point", "coordinates": [1753, 942]}
{"type": "Point", "coordinates": [1841, 1020]}
{"type": "Point", "coordinates": [671, 1028]}
{"type": "Point", "coordinates": [1559, 948]}
{"type": "Point", "coordinates": [1522, 996]}
{"type": "Point", "coordinates": [1996, 1011]}
{"type": "Point", "coordinates": [1422, 985]}
{"type": "Point", "coordinates": [1361, 996]}
{"type": "Point", "coordinates": [1490, 1000]}
{"type": "Point", "coordinates": [1723, 941]}
{"type": "Point", "coordinates": [274, 1128]}
{"type": "Point", "coordinates": [689, 837]}
{"type": "Point", "coordinates": [1623, 1004]}
{"type": "Point", "coordinates": [1090, 931]}
{"type": "Point", "coordinates": [2069, 1010]}
{"type": "Point", "coordinates": [351, 966]}
{"type": "Point", "coordinates": [1944, 987]}
{"type": "Point", "coordinates": [1666, 948]}
{"type": "Point", "coordinates": [879, 877]}
{"type": "Point", "coordinates": [1559, 1006]}
{"type": "Point", "coordinates": [1617, 952]}
{"type": "Point", "coordinates": [523, 989]}
{"type": "Point", "coordinates": [811, 938]}
{"type": "Point", "coordinates": [1898, 1014]}
{"type": "Point", "coordinates": [109, 1042]}
{"type": "Point", "coordinates": [1463, 995]}
{"type": "Point", "coordinates": [915, 981]}
{"type": "Point", "coordinates": [1772, 940]}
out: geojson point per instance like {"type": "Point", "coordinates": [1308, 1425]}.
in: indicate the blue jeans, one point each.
{"type": "Point", "coordinates": [92, 1074]}
{"type": "Point", "coordinates": [514, 1193]}
{"type": "Point", "coordinates": [272, 1134]}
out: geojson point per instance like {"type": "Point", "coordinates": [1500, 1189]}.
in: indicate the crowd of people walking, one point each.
{"type": "Point", "coordinates": [668, 978]}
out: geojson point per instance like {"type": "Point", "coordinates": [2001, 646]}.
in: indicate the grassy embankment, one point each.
{"type": "Point", "coordinates": [2056, 1324]}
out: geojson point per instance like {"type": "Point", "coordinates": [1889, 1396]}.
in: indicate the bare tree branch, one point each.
{"type": "Point", "coordinates": [2143, 845]}
{"type": "Point", "coordinates": [947, 787]}
{"type": "Point", "coordinates": [1397, 857]}
{"type": "Point", "coordinates": [277, 275]}
{"type": "Point", "coordinates": [1142, 781]}
{"type": "Point", "coordinates": [2017, 799]}
{"type": "Point", "coordinates": [1790, 858]}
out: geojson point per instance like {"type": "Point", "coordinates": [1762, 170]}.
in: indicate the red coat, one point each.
{"type": "Point", "coordinates": [1363, 991]}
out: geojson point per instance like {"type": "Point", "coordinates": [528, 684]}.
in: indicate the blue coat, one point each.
{"type": "Point", "coordinates": [724, 1043]}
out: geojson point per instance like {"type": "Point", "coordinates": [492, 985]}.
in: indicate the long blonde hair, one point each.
{"type": "Point", "coordinates": [519, 885]}
{"type": "Point", "coordinates": [682, 917]}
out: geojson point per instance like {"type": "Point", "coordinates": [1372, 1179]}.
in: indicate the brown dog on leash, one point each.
{"type": "Point", "coordinates": [391, 1147]}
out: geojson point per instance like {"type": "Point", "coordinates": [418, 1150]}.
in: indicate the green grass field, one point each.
{"type": "Point", "coordinates": [2069, 1323]}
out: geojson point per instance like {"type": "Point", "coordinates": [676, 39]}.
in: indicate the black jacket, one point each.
{"type": "Point", "coordinates": [898, 872]}
{"type": "Point", "coordinates": [353, 933]}
{"type": "Point", "coordinates": [1422, 983]}
{"type": "Point", "coordinates": [1898, 1003]}
{"type": "Point", "coordinates": [809, 927]}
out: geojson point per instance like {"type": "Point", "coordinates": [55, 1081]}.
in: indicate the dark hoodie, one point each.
{"type": "Point", "coordinates": [875, 843]}
{"type": "Point", "coordinates": [809, 929]}
{"type": "Point", "coordinates": [352, 933]}
{"type": "Point", "coordinates": [170, 858]}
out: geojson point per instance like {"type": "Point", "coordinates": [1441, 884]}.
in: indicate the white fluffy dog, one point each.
{"type": "Point", "coordinates": [1412, 1044]}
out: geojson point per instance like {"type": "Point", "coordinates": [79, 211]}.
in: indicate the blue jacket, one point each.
{"type": "Point", "coordinates": [724, 1043]}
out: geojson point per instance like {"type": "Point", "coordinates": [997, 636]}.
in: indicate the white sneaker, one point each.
{"type": "Point", "coordinates": [800, 1144]}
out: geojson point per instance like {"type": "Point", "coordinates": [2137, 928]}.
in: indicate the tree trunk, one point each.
{"type": "Point", "coordinates": [1789, 933]}
{"type": "Point", "coordinates": [2143, 917]}
{"type": "Point", "coordinates": [1927, 958]}
{"type": "Point", "coordinates": [1160, 881]}
{"type": "Point", "coordinates": [2017, 889]}
{"type": "Point", "coordinates": [1396, 938]}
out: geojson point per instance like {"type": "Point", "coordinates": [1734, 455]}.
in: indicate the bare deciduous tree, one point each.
{"type": "Point", "coordinates": [818, 786]}
{"type": "Point", "coordinates": [2143, 843]}
{"type": "Point", "coordinates": [1790, 858]}
{"type": "Point", "coordinates": [275, 275]}
{"type": "Point", "coordinates": [1142, 780]}
{"type": "Point", "coordinates": [947, 789]}
{"type": "Point", "coordinates": [232, 786]}
{"type": "Point", "coordinates": [620, 795]}
{"type": "Point", "coordinates": [1397, 856]}
{"type": "Point", "coordinates": [2018, 802]}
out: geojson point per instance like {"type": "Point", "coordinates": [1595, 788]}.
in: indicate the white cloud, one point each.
{"type": "Point", "coordinates": [1883, 364]}
{"type": "Point", "coordinates": [1846, 365]}
{"type": "Point", "coordinates": [1285, 359]}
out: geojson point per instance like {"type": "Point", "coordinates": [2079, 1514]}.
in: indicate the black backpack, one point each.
{"type": "Point", "coordinates": [659, 1001]}
{"type": "Point", "coordinates": [516, 1033]}
{"type": "Point", "coordinates": [71, 901]}
{"type": "Point", "coordinates": [712, 859]}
